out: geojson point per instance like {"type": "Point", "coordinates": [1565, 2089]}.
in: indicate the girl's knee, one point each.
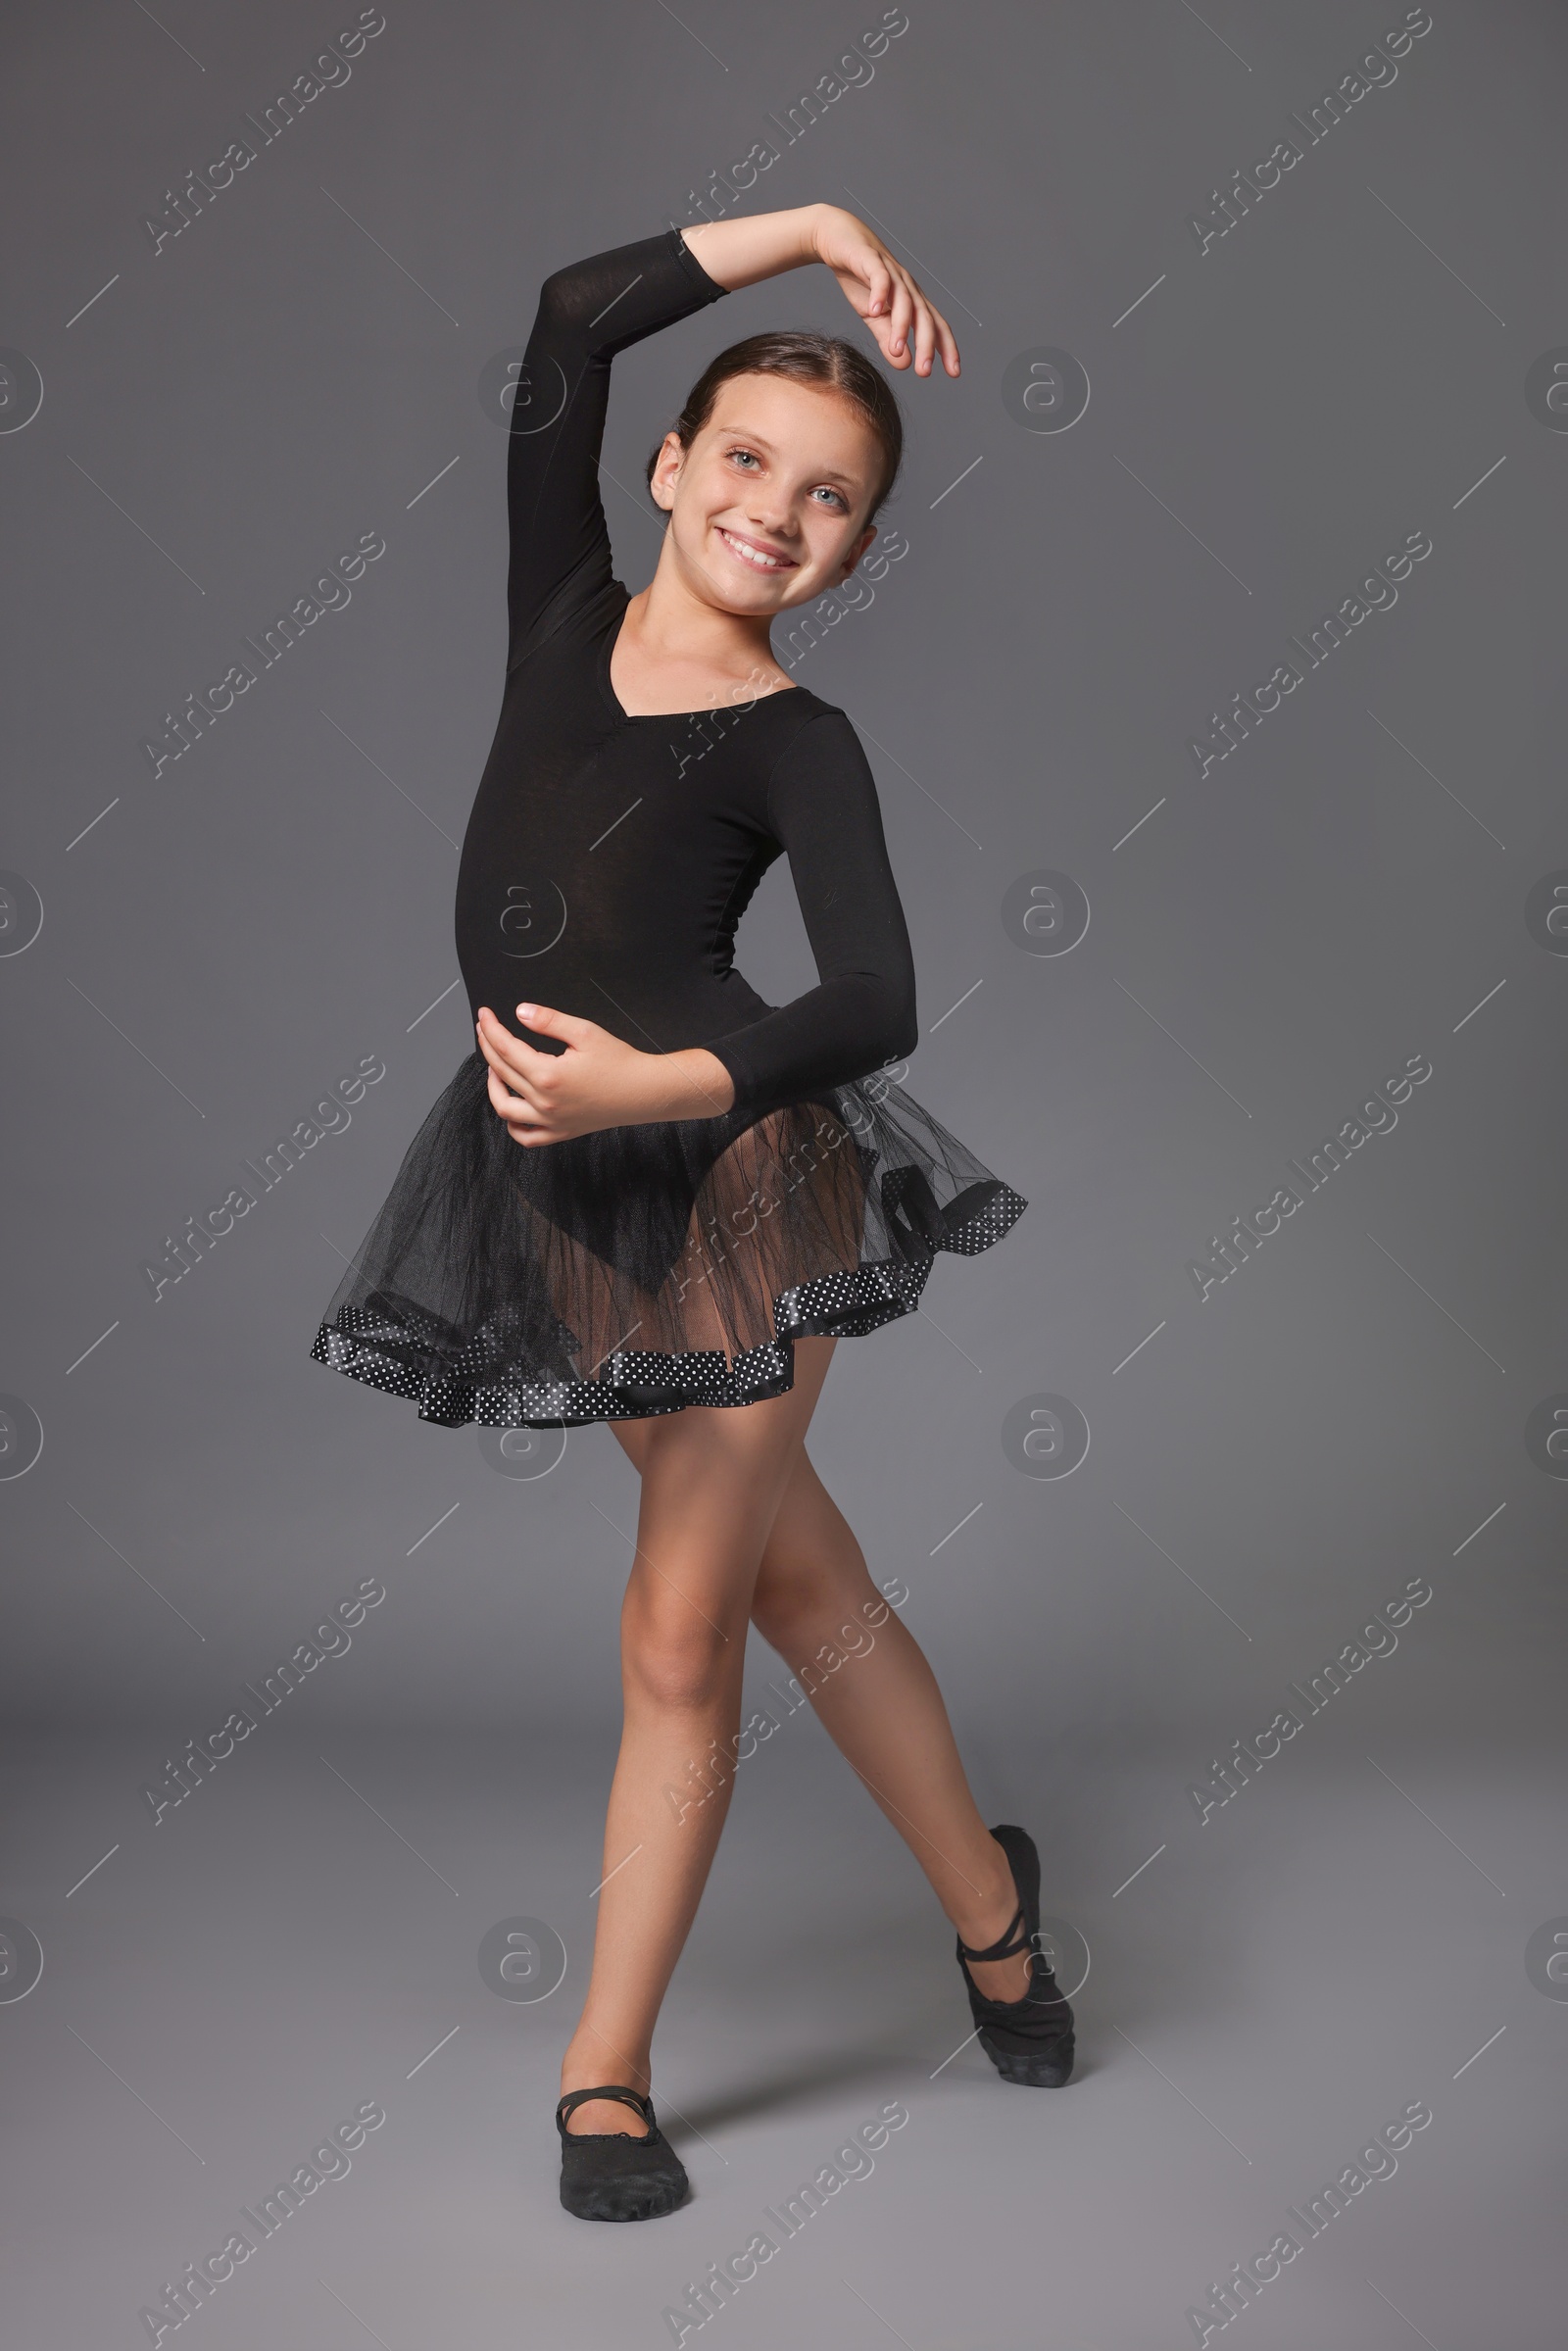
{"type": "Point", "coordinates": [798, 1607]}
{"type": "Point", "coordinates": [672, 1658]}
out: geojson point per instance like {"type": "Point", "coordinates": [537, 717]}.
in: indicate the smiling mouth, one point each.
{"type": "Point", "coordinates": [758, 557]}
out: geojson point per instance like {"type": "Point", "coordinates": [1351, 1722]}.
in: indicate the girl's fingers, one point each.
{"type": "Point", "coordinates": [504, 1056]}
{"type": "Point", "coordinates": [531, 1138]}
{"type": "Point", "coordinates": [900, 321]}
{"type": "Point", "coordinates": [510, 1081]}
{"type": "Point", "coordinates": [507, 1105]}
{"type": "Point", "coordinates": [924, 343]}
{"type": "Point", "coordinates": [484, 1035]}
{"type": "Point", "coordinates": [526, 1137]}
{"type": "Point", "coordinates": [879, 288]}
{"type": "Point", "coordinates": [521, 1118]}
{"type": "Point", "coordinates": [933, 328]}
{"type": "Point", "coordinates": [569, 1027]}
{"type": "Point", "coordinates": [514, 1099]}
{"type": "Point", "coordinates": [925, 331]}
{"type": "Point", "coordinates": [909, 330]}
{"type": "Point", "coordinates": [920, 337]}
{"type": "Point", "coordinates": [487, 1025]}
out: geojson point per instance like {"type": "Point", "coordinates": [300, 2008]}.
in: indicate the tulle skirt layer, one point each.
{"type": "Point", "coordinates": [644, 1269]}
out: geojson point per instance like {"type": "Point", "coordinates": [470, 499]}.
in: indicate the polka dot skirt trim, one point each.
{"type": "Point", "coordinates": [393, 1351]}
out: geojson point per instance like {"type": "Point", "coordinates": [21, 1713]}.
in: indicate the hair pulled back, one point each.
{"type": "Point", "coordinates": [826, 363]}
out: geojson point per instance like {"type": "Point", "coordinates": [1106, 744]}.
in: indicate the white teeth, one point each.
{"type": "Point", "coordinates": [751, 555]}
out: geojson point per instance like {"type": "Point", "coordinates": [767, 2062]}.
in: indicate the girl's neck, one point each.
{"type": "Point", "coordinates": [672, 641]}
{"type": "Point", "coordinates": [672, 624]}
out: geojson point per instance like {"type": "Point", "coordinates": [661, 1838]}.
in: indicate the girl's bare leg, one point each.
{"type": "Point", "coordinates": [881, 1706]}
{"type": "Point", "coordinates": [712, 1484]}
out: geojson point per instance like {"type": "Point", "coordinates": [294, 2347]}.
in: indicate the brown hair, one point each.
{"type": "Point", "coordinates": [805, 357]}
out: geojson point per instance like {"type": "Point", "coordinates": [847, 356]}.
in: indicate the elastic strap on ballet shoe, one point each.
{"type": "Point", "coordinates": [1007, 1944]}
{"type": "Point", "coordinates": [611, 2089]}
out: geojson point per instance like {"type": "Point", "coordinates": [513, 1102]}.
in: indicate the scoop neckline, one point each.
{"type": "Point", "coordinates": [627, 717]}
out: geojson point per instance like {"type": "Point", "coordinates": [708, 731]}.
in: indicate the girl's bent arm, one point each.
{"type": "Point", "coordinates": [878, 286]}
{"type": "Point", "coordinates": [560, 557]}
{"type": "Point", "coordinates": [742, 253]}
{"type": "Point", "coordinates": [824, 813]}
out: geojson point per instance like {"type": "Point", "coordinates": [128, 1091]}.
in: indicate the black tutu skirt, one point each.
{"type": "Point", "coordinates": [643, 1269]}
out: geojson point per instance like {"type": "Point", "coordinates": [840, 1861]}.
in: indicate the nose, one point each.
{"type": "Point", "coordinates": [770, 515]}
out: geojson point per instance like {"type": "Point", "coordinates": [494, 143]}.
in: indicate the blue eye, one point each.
{"type": "Point", "coordinates": [749, 456]}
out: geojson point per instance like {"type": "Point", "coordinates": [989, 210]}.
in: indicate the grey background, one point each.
{"type": "Point", "coordinates": [1344, 1413]}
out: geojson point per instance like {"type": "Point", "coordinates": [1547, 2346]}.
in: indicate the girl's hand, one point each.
{"type": "Point", "coordinates": [597, 1081]}
{"type": "Point", "coordinates": [881, 291]}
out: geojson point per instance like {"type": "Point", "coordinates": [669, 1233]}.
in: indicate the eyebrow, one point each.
{"type": "Point", "coordinates": [738, 432]}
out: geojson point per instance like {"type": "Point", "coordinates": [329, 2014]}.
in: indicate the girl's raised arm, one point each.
{"type": "Point", "coordinates": [560, 555]}
{"type": "Point", "coordinates": [877, 287]}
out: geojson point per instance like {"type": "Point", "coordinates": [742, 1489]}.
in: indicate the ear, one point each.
{"type": "Point", "coordinates": [666, 471]}
{"type": "Point", "coordinates": [859, 549]}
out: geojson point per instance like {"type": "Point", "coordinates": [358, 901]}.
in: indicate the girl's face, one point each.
{"type": "Point", "coordinates": [767, 507]}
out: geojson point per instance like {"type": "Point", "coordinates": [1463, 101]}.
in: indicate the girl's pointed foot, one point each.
{"type": "Point", "coordinates": [1029, 2040]}
{"type": "Point", "coordinates": [611, 2175]}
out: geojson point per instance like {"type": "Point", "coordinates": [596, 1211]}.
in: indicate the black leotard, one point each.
{"type": "Point", "coordinates": [644, 1269]}
{"type": "Point", "coordinates": [608, 858]}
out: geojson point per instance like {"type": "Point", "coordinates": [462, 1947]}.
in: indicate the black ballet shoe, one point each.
{"type": "Point", "coordinates": [1028, 2040]}
{"type": "Point", "coordinates": [610, 2176]}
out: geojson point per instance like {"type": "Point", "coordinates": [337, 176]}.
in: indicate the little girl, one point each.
{"type": "Point", "coordinates": [650, 1198]}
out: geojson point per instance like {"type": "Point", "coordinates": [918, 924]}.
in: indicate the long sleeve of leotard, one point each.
{"type": "Point", "coordinates": [558, 545]}
{"type": "Point", "coordinates": [822, 811]}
